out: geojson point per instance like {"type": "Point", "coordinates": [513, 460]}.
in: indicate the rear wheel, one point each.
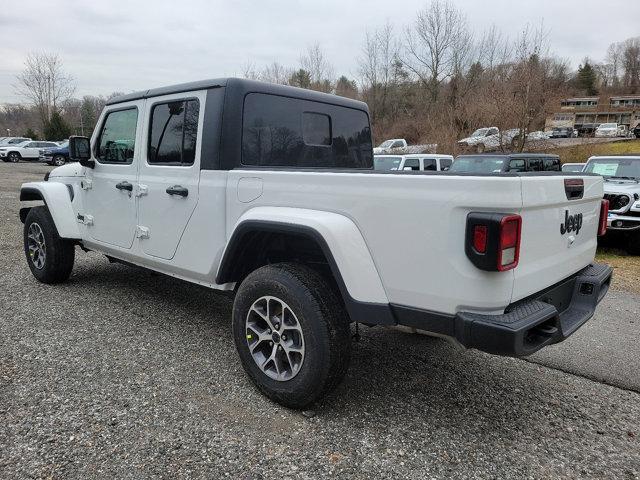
{"type": "Point", "coordinates": [58, 160]}
{"type": "Point", "coordinates": [50, 258]}
{"type": "Point", "coordinates": [14, 157]}
{"type": "Point", "coordinates": [292, 333]}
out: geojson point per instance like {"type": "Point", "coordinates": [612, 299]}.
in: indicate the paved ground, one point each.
{"type": "Point", "coordinates": [122, 374]}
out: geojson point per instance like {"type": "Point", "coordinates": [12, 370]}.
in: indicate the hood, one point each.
{"type": "Point", "coordinates": [472, 140]}
{"type": "Point", "coordinates": [68, 170]}
{"type": "Point", "coordinates": [614, 186]}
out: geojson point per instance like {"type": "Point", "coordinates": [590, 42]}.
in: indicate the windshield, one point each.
{"type": "Point", "coordinates": [64, 144]}
{"type": "Point", "coordinates": [479, 164]}
{"type": "Point", "coordinates": [385, 144]}
{"type": "Point", "coordinates": [609, 125]}
{"type": "Point", "coordinates": [386, 163]}
{"type": "Point", "coordinates": [481, 132]}
{"type": "Point", "coordinates": [615, 167]}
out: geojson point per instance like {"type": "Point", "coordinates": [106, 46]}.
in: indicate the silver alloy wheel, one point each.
{"type": "Point", "coordinates": [37, 247]}
{"type": "Point", "coordinates": [275, 339]}
{"type": "Point", "coordinates": [58, 160]}
{"type": "Point", "coordinates": [14, 157]}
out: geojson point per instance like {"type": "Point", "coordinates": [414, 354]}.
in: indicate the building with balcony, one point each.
{"type": "Point", "coordinates": [586, 113]}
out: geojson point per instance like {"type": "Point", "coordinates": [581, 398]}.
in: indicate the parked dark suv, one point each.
{"type": "Point", "coordinates": [501, 163]}
{"type": "Point", "coordinates": [56, 156]}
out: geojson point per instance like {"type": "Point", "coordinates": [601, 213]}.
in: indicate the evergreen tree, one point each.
{"type": "Point", "coordinates": [30, 134]}
{"type": "Point", "coordinates": [586, 78]}
{"type": "Point", "coordinates": [300, 78]}
{"type": "Point", "coordinates": [56, 128]}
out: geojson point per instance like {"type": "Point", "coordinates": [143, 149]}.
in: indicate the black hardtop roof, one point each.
{"type": "Point", "coordinates": [246, 86]}
{"type": "Point", "coordinates": [510, 155]}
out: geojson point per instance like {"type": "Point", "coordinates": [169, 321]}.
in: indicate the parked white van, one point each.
{"type": "Point", "coordinates": [417, 162]}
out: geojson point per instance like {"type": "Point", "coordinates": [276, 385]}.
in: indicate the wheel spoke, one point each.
{"type": "Point", "coordinates": [278, 352]}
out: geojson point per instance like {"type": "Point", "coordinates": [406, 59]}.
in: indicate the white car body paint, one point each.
{"type": "Point", "coordinates": [396, 238]}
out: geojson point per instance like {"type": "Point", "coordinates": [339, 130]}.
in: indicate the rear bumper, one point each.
{"type": "Point", "coordinates": [546, 318]}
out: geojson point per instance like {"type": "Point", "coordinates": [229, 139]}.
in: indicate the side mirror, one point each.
{"type": "Point", "coordinates": [80, 151]}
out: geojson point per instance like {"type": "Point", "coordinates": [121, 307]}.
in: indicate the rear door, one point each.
{"type": "Point", "coordinates": [169, 170]}
{"type": "Point", "coordinates": [559, 234]}
{"type": "Point", "coordinates": [429, 164]}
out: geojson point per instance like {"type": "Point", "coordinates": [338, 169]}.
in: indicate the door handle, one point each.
{"type": "Point", "coordinates": [178, 190]}
{"type": "Point", "coordinates": [124, 186]}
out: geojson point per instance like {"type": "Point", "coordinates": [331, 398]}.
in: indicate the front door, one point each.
{"type": "Point", "coordinates": [31, 150]}
{"type": "Point", "coordinates": [110, 188]}
{"type": "Point", "coordinates": [170, 171]}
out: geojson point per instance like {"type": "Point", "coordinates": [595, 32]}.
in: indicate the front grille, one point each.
{"type": "Point", "coordinates": [617, 201]}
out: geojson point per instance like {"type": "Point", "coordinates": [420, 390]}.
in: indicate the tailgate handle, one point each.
{"type": "Point", "coordinates": [574, 188]}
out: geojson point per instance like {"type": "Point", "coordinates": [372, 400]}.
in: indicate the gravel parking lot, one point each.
{"type": "Point", "coordinates": [120, 373]}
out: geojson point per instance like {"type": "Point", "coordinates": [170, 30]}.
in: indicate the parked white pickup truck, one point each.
{"type": "Point", "coordinates": [269, 191]}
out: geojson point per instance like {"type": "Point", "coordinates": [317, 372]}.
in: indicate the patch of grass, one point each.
{"type": "Point", "coordinates": [626, 268]}
{"type": "Point", "coordinates": [580, 153]}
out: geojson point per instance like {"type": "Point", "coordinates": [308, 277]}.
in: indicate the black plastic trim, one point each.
{"type": "Point", "coordinates": [362, 312]}
{"type": "Point", "coordinates": [547, 317]}
{"type": "Point", "coordinates": [211, 129]}
{"type": "Point", "coordinates": [29, 194]}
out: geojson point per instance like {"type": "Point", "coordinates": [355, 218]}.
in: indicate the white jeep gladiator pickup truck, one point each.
{"type": "Point", "coordinates": [622, 189]}
{"type": "Point", "coordinates": [269, 192]}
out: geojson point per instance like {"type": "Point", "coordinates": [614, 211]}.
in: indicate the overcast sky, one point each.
{"type": "Point", "coordinates": [127, 45]}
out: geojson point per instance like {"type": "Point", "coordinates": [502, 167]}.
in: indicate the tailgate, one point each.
{"type": "Point", "coordinates": [549, 252]}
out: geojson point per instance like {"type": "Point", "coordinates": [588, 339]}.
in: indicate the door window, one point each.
{"type": "Point", "coordinates": [516, 166]}
{"type": "Point", "coordinates": [411, 164]}
{"type": "Point", "coordinates": [551, 164]}
{"type": "Point", "coordinates": [173, 133]}
{"type": "Point", "coordinates": [445, 163]}
{"type": "Point", "coordinates": [430, 164]}
{"type": "Point", "coordinates": [535, 165]}
{"type": "Point", "coordinates": [117, 140]}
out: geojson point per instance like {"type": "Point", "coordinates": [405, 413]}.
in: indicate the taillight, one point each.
{"type": "Point", "coordinates": [493, 240]}
{"type": "Point", "coordinates": [480, 238]}
{"type": "Point", "coordinates": [604, 214]}
{"type": "Point", "coordinates": [509, 248]}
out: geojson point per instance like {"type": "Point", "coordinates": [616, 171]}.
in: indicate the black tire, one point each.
{"type": "Point", "coordinates": [324, 323]}
{"type": "Point", "coordinates": [14, 157]}
{"type": "Point", "coordinates": [59, 160]}
{"type": "Point", "coordinates": [59, 253]}
{"type": "Point", "coordinates": [633, 243]}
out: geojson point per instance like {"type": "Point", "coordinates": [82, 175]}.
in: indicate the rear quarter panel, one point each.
{"type": "Point", "coordinates": [413, 225]}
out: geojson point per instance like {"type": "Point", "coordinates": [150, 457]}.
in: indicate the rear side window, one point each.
{"type": "Point", "coordinates": [288, 132]}
{"type": "Point", "coordinates": [173, 133]}
{"type": "Point", "coordinates": [516, 166]}
{"type": "Point", "coordinates": [117, 140]}
{"type": "Point", "coordinates": [430, 164]}
{"type": "Point", "coordinates": [535, 165]}
{"type": "Point", "coordinates": [411, 163]}
{"type": "Point", "coordinates": [552, 165]}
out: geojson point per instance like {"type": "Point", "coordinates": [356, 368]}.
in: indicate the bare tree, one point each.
{"type": "Point", "coordinates": [631, 64]}
{"type": "Point", "coordinates": [44, 82]}
{"type": "Point", "coordinates": [314, 61]}
{"type": "Point", "coordinates": [378, 68]}
{"type": "Point", "coordinates": [436, 44]}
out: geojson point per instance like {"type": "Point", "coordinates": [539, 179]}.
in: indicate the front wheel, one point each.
{"type": "Point", "coordinates": [14, 157]}
{"type": "Point", "coordinates": [292, 333]}
{"type": "Point", "coordinates": [633, 245]}
{"type": "Point", "coordinates": [50, 258]}
{"type": "Point", "coordinates": [59, 160]}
